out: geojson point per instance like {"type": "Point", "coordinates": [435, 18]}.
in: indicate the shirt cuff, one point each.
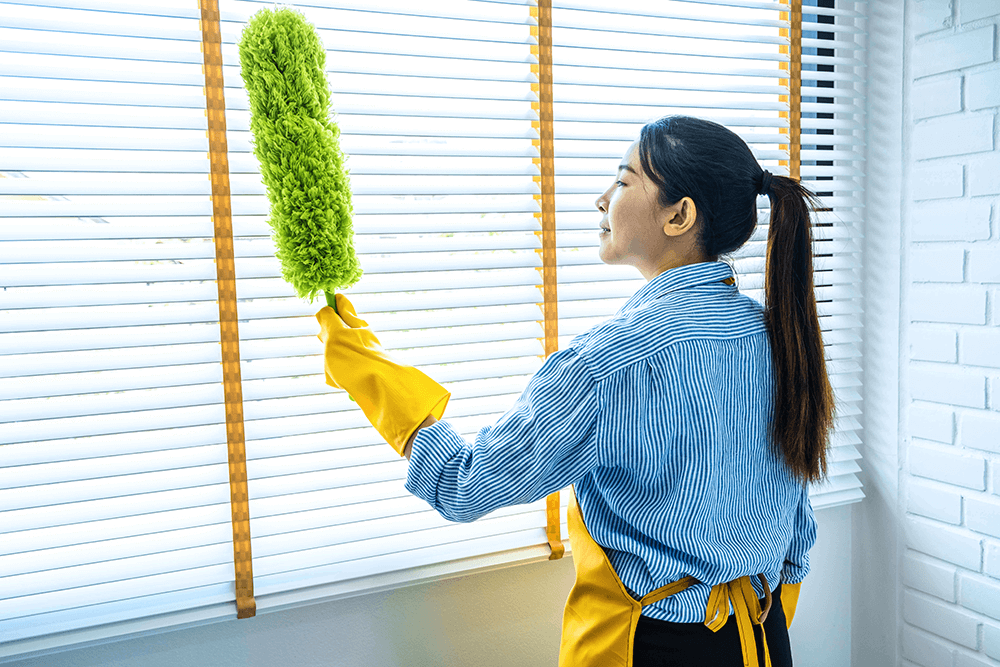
{"type": "Point", "coordinates": [794, 574]}
{"type": "Point", "coordinates": [433, 447]}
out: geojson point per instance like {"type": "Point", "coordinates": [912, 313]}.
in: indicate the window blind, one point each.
{"type": "Point", "coordinates": [728, 62]}
{"type": "Point", "coordinates": [434, 105]}
{"type": "Point", "coordinates": [114, 486]}
{"type": "Point", "coordinates": [832, 161]}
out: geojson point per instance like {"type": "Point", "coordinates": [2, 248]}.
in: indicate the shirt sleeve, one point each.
{"type": "Point", "coordinates": [796, 565]}
{"type": "Point", "coordinates": [545, 442]}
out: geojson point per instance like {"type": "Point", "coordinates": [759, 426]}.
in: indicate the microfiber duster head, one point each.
{"type": "Point", "coordinates": [282, 63]}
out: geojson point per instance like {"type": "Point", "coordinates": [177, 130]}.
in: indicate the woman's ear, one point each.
{"type": "Point", "coordinates": [680, 217]}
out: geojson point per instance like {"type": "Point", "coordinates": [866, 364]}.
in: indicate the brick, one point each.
{"type": "Point", "coordinates": [941, 619]}
{"type": "Point", "coordinates": [932, 422]}
{"type": "Point", "coordinates": [937, 263]}
{"type": "Point", "coordinates": [995, 393]}
{"type": "Point", "coordinates": [995, 473]}
{"type": "Point", "coordinates": [954, 135]}
{"type": "Point", "coordinates": [991, 560]}
{"type": "Point", "coordinates": [957, 304]}
{"type": "Point", "coordinates": [980, 595]}
{"type": "Point", "coordinates": [980, 430]}
{"type": "Point", "coordinates": [991, 640]}
{"type": "Point", "coordinates": [958, 50]}
{"type": "Point", "coordinates": [981, 347]}
{"type": "Point", "coordinates": [925, 649]}
{"type": "Point", "coordinates": [930, 576]}
{"type": "Point", "coordinates": [934, 503]}
{"type": "Point", "coordinates": [984, 175]}
{"type": "Point", "coordinates": [973, 10]}
{"type": "Point", "coordinates": [958, 220]}
{"type": "Point", "coordinates": [937, 97]}
{"type": "Point", "coordinates": [937, 180]}
{"type": "Point", "coordinates": [982, 516]}
{"type": "Point", "coordinates": [930, 344]}
{"type": "Point", "coordinates": [982, 89]}
{"type": "Point", "coordinates": [928, 15]}
{"type": "Point", "coordinates": [930, 444]}
{"type": "Point", "coordinates": [984, 265]}
{"type": "Point", "coordinates": [949, 467]}
{"type": "Point", "coordinates": [948, 387]}
{"type": "Point", "coordinates": [954, 545]}
{"type": "Point", "coordinates": [965, 660]}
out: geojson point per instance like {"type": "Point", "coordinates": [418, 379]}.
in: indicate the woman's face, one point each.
{"type": "Point", "coordinates": [635, 229]}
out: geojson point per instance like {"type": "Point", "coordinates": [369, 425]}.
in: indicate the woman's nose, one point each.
{"type": "Point", "coordinates": [601, 206]}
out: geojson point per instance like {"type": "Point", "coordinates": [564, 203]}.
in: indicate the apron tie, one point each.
{"type": "Point", "coordinates": [746, 607]}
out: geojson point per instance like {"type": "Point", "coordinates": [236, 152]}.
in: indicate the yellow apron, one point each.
{"type": "Point", "coordinates": [601, 616]}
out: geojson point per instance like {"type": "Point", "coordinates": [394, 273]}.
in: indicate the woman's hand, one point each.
{"type": "Point", "coordinates": [395, 397]}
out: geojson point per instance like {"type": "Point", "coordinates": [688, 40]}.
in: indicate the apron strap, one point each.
{"type": "Point", "coordinates": [767, 599]}
{"type": "Point", "coordinates": [667, 591]}
{"type": "Point", "coordinates": [747, 611]}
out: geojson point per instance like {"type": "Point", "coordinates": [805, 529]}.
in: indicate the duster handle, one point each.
{"type": "Point", "coordinates": [331, 300]}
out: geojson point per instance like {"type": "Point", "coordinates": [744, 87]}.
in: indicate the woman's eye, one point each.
{"type": "Point", "coordinates": [619, 183]}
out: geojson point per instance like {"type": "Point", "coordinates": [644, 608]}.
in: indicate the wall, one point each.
{"type": "Point", "coordinates": [950, 376]}
{"type": "Point", "coordinates": [503, 618]}
{"type": "Point", "coordinates": [875, 559]}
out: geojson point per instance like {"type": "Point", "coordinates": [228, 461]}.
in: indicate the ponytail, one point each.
{"type": "Point", "coordinates": [711, 164]}
{"type": "Point", "coordinates": [803, 397]}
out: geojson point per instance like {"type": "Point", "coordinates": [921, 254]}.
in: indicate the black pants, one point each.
{"type": "Point", "coordinates": [663, 644]}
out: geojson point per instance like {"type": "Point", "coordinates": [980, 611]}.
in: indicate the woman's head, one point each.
{"type": "Point", "coordinates": [686, 192]}
{"type": "Point", "coordinates": [639, 228]}
{"type": "Point", "coordinates": [712, 165]}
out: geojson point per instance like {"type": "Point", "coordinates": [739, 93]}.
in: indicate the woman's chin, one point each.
{"type": "Point", "coordinates": [606, 256]}
{"type": "Point", "coordinates": [604, 250]}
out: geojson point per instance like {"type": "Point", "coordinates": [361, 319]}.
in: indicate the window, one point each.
{"type": "Point", "coordinates": [725, 62]}
{"type": "Point", "coordinates": [114, 484]}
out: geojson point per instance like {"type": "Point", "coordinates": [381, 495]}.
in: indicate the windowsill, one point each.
{"type": "Point", "coordinates": [76, 639]}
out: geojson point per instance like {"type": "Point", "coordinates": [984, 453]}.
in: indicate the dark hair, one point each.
{"type": "Point", "coordinates": [696, 158]}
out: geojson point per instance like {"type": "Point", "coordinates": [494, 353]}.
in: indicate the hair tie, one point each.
{"type": "Point", "coordinates": [765, 183]}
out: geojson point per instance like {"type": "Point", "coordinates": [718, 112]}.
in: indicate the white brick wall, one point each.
{"type": "Point", "coordinates": [950, 336]}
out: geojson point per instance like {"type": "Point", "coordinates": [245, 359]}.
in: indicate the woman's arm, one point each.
{"type": "Point", "coordinates": [409, 443]}
{"type": "Point", "coordinates": [796, 565]}
{"type": "Point", "coordinates": [545, 442]}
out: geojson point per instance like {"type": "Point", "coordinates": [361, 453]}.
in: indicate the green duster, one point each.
{"type": "Point", "coordinates": [297, 144]}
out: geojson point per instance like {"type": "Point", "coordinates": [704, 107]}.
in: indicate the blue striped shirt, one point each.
{"type": "Point", "coordinates": [659, 417]}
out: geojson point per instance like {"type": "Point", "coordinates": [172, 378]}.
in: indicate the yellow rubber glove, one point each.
{"type": "Point", "coordinates": [395, 397]}
{"type": "Point", "coordinates": [789, 599]}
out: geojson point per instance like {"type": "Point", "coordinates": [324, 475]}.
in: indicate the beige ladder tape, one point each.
{"type": "Point", "coordinates": [225, 265]}
{"type": "Point", "coordinates": [794, 84]}
{"type": "Point", "coordinates": [542, 50]}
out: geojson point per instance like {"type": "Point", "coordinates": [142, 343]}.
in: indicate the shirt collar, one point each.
{"type": "Point", "coordinates": [678, 278]}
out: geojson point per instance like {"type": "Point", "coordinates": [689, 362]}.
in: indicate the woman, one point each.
{"type": "Point", "coordinates": [689, 423]}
